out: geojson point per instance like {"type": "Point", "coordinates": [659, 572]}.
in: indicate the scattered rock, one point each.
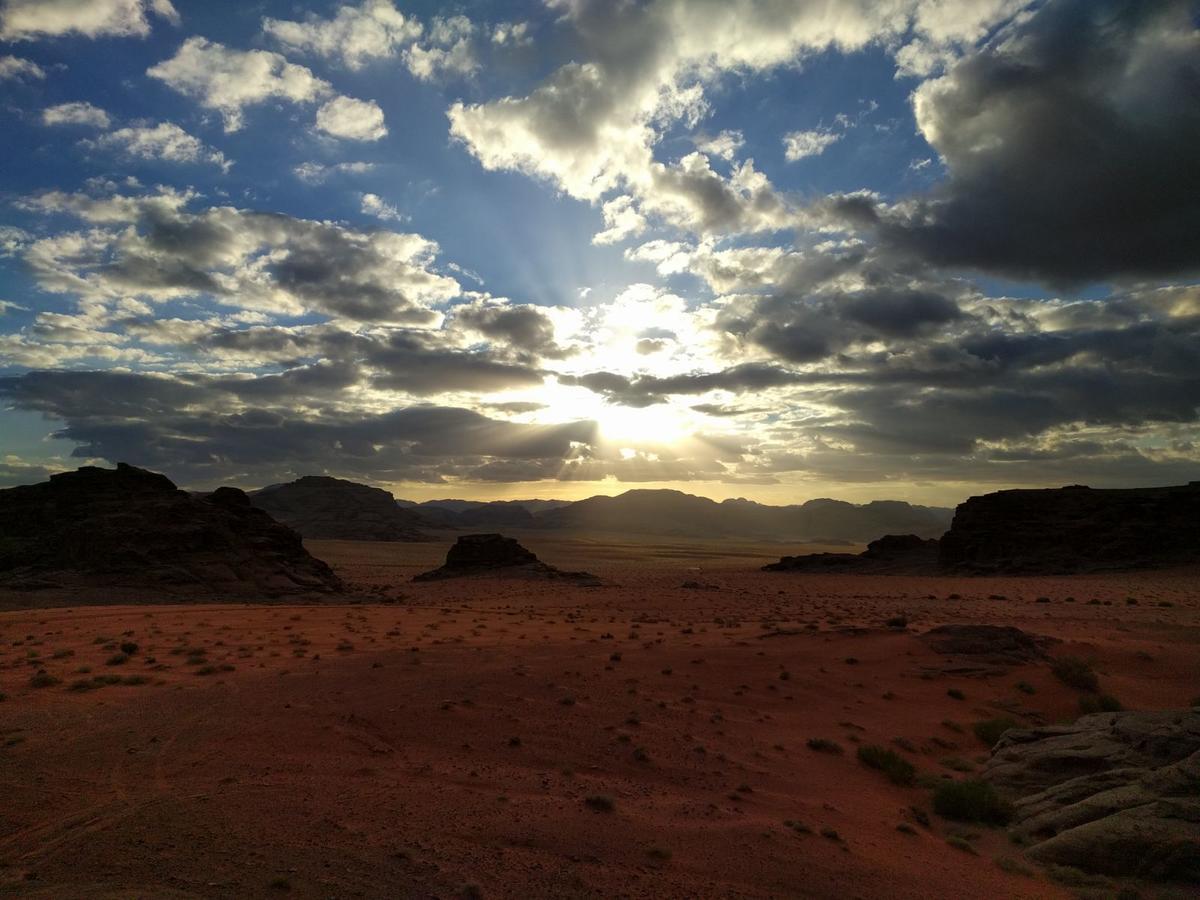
{"type": "Point", "coordinates": [95, 529]}
{"type": "Point", "coordinates": [1113, 793]}
{"type": "Point", "coordinates": [323, 508]}
{"type": "Point", "coordinates": [489, 554]}
{"type": "Point", "coordinates": [995, 644]}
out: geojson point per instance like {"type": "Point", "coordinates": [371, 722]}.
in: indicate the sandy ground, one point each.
{"type": "Point", "coordinates": [444, 739]}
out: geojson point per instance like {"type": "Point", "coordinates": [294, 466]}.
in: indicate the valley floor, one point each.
{"type": "Point", "coordinates": [503, 738]}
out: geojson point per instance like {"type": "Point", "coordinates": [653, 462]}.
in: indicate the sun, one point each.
{"type": "Point", "coordinates": [661, 425]}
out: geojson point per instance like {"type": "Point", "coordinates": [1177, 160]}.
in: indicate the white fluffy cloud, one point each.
{"type": "Point", "coordinates": [28, 19]}
{"type": "Point", "coordinates": [75, 114]}
{"type": "Point", "coordinates": [319, 173]}
{"type": "Point", "coordinates": [227, 80]}
{"type": "Point", "coordinates": [354, 120]}
{"type": "Point", "coordinates": [798, 145]}
{"type": "Point", "coordinates": [165, 141]}
{"type": "Point", "coordinates": [354, 36]}
{"type": "Point", "coordinates": [14, 68]}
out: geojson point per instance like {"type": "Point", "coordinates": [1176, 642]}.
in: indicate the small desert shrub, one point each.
{"type": "Point", "coordinates": [659, 854]}
{"type": "Point", "coordinates": [961, 844]}
{"type": "Point", "coordinates": [1094, 703]}
{"type": "Point", "coordinates": [897, 622]}
{"type": "Point", "coordinates": [990, 730]}
{"type": "Point", "coordinates": [117, 659]}
{"type": "Point", "coordinates": [129, 648]}
{"type": "Point", "coordinates": [824, 745]}
{"type": "Point", "coordinates": [135, 680]}
{"type": "Point", "coordinates": [831, 834]}
{"type": "Point", "coordinates": [889, 762]}
{"type": "Point", "coordinates": [956, 694]}
{"type": "Point", "coordinates": [1026, 688]}
{"type": "Point", "coordinates": [81, 685]}
{"type": "Point", "coordinates": [600, 803]}
{"type": "Point", "coordinates": [1013, 867]}
{"type": "Point", "coordinates": [44, 680]}
{"type": "Point", "coordinates": [3, 696]}
{"type": "Point", "coordinates": [1076, 673]}
{"type": "Point", "coordinates": [971, 801]}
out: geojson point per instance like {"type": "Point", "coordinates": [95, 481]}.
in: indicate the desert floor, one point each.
{"type": "Point", "coordinates": [505, 738]}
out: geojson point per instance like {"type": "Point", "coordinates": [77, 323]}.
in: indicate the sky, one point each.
{"type": "Point", "coordinates": [910, 249]}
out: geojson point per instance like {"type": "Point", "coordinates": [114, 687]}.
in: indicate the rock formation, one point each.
{"type": "Point", "coordinates": [1113, 793]}
{"type": "Point", "coordinates": [323, 508]}
{"type": "Point", "coordinates": [1074, 529]}
{"type": "Point", "coordinates": [491, 554]}
{"type": "Point", "coordinates": [892, 553]}
{"type": "Point", "coordinates": [97, 529]}
{"type": "Point", "coordinates": [996, 644]}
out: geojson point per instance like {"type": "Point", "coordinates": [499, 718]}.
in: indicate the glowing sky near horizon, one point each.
{"type": "Point", "coordinates": [915, 249]}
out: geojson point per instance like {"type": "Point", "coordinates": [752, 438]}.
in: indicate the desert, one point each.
{"type": "Point", "coordinates": [687, 724]}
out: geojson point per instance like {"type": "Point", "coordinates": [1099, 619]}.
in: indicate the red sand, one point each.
{"type": "Point", "coordinates": [444, 743]}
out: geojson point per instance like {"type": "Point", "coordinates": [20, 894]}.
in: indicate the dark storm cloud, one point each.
{"type": "Point", "coordinates": [524, 328]}
{"type": "Point", "coordinates": [411, 361]}
{"type": "Point", "coordinates": [189, 429]}
{"type": "Point", "coordinates": [1070, 143]}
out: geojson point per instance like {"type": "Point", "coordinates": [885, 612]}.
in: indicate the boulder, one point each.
{"type": "Point", "coordinates": [95, 529]}
{"type": "Point", "coordinates": [490, 554]}
{"type": "Point", "coordinates": [323, 508]}
{"type": "Point", "coordinates": [1113, 793]}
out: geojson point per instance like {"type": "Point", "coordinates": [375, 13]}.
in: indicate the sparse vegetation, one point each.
{"type": "Point", "coordinates": [897, 769]}
{"type": "Point", "coordinates": [1094, 703]}
{"type": "Point", "coordinates": [1076, 673]}
{"type": "Point", "coordinates": [971, 801]}
{"type": "Point", "coordinates": [600, 803]}
{"type": "Point", "coordinates": [956, 694]}
{"type": "Point", "coordinates": [990, 730]}
{"type": "Point", "coordinates": [824, 745]}
{"type": "Point", "coordinates": [44, 679]}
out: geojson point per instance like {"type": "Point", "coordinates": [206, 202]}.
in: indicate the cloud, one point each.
{"type": "Point", "coordinates": [374, 205]}
{"type": "Point", "coordinates": [512, 34]}
{"type": "Point", "coordinates": [79, 113]}
{"type": "Point", "coordinates": [724, 145]}
{"type": "Point", "coordinates": [448, 50]}
{"type": "Point", "coordinates": [14, 68]}
{"type": "Point", "coordinates": [355, 36]}
{"type": "Point", "coordinates": [151, 247]}
{"type": "Point", "coordinates": [1067, 142]}
{"type": "Point", "coordinates": [798, 145]}
{"type": "Point", "coordinates": [318, 173]}
{"type": "Point", "coordinates": [164, 141]}
{"type": "Point", "coordinates": [350, 119]}
{"type": "Point", "coordinates": [227, 80]}
{"type": "Point", "coordinates": [526, 328]}
{"type": "Point", "coordinates": [29, 19]}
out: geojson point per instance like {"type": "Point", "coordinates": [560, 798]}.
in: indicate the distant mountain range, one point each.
{"type": "Point", "coordinates": [674, 513]}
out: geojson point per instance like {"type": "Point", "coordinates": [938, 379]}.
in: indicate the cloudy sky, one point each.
{"type": "Point", "coordinates": [767, 248]}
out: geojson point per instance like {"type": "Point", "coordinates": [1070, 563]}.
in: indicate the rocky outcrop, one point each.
{"type": "Point", "coordinates": [1074, 529]}
{"type": "Point", "coordinates": [323, 508]}
{"type": "Point", "coordinates": [995, 644]}
{"type": "Point", "coordinates": [94, 529]}
{"type": "Point", "coordinates": [892, 553]}
{"type": "Point", "coordinates": [1113, 793]}
{"type": "Point", "coordinates": [493, 554]}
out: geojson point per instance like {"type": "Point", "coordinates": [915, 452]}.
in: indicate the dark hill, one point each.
{"type": "Point", "coordinates": [128, 528]}
{"type": "Point", "coordinates": [323, 508]}
{"type": "Point", "coordinates": [674, 513]}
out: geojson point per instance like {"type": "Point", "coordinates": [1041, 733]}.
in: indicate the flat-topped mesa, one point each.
{"type": "Point", "coordinates": [1074, 529]}
{"type": "Point", "coordinates": [95, 530]}
{"type": "Point", "coordinates": [325, 508]}
{"type": "Point", "coordinates": [484, 554]}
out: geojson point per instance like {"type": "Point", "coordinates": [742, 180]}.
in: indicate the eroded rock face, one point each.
{"type": "Point", "coordinates": [323, 508]}
{"type": "Point", "coordinates": [1113, 793]}
{"type": "Point", "coordinates": [479, 554]}
{"type": "Point", "coordinates": [892, 553]}
{"type": "Point", "coordinates": [1074, 529]}
{"type": "Point", "coordinates": [126, 527]}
